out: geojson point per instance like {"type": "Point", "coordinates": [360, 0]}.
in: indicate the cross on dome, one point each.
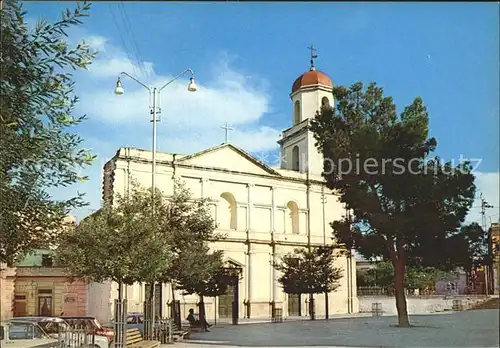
{"type": "Point", "coordinates": [313, 56]}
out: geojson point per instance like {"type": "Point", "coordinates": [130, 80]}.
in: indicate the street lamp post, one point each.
{"type": "Point", "coordinates": [155, 94]}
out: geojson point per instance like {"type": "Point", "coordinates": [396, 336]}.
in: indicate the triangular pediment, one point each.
{"type": "Point", "coordinates": [230, 158]}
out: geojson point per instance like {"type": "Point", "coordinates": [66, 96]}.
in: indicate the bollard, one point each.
{"type": "Point", "coordinates": [170, 328]}
{"type": "Point", "coordinates": [376, 309]}
{"type": "Point", "coordinates": [457, 305]}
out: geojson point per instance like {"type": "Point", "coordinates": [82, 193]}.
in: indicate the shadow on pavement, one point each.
{"type": "Point", "coordinates": [463, 329]}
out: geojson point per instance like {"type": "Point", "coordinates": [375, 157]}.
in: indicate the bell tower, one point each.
{"type": "Point", "coordinates": [310, 92]}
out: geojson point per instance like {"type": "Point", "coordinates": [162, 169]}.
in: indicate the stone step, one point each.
{"type": "Point", "coordinates": [492, 303]}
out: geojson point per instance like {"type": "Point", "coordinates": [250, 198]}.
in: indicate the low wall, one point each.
{"type": "Point", "coordinates": [417, 304]}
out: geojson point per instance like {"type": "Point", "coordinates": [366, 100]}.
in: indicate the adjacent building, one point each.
{"type": "Point", "coordinates": [36, 286]}
{"type": "Point", "coordinates": [494, 233]}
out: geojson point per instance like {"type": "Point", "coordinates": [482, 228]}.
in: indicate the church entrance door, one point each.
{"type": "Point", "coordinates": [294, 305]}
{"type": "Point", "coordinates": [226, 303]}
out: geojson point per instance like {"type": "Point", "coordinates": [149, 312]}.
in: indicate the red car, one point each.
{"type": "Point", "coordinates": [92, 323]}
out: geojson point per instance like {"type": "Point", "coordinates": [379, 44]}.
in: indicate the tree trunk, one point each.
{"type": "Point", "coordinates": [120, 291]}
{"type": "Point", "coordinates": [174, 313]}
{"type": "Point", "coordinates": [399, 268]}
{"type": "Point", "coordinates": [311, 307]}
{"type": "Point", "coordinates": [202, 318]}
{"type": "Point", "coordinates": [149, 315]}
{"type": "Point", "coordinates": [151, 299]}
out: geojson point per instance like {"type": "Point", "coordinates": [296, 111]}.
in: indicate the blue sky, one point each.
{"type": "Point", "coordinates": [247, 55]}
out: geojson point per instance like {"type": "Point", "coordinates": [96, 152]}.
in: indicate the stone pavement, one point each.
{"type": "Point", "coordinates": [479, 328]}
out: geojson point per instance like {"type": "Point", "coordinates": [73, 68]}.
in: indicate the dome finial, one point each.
{"type": "Point", "coordinates": [313, 56]}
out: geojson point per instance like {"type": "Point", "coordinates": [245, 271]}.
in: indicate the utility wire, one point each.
{"type": "Point", "coordinates": [135, 47]}
{"type": "Point", "coordinates": [125, 48]}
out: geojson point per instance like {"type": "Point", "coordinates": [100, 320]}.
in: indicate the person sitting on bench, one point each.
{"type": "Point", "coordinates": [197, 323]}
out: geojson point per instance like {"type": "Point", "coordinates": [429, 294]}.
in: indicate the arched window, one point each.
{"type": "Point", "coordinates": [296, 113]}
{"type": "Point", "coordinates": [228, 211]}
{"type": "Point", "coordinates": [325, 102]}
{"type": "Point", "coordinates": [295, 158]}
{"type": "Point", "coordinates": [292, 217]}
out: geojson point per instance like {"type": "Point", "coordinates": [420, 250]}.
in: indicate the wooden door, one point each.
{"type": "Point", "coordinates": [158, 298]}
{"type": "Point", "coordinates": [20, 306]}
{"type": "Point", "coordinates": [226, 303]}
{"type": "Point", "coordinates": [45, 306]}
{"type": "Point", "coordinates": [293, 305]}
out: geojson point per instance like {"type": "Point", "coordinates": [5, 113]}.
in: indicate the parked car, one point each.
{"type": "Point", "coordinates": [24, 334]}
{"type": "Point", "coordinates": [50, 325]}
{"type": "Point", "coordinates": [134, 321]}
{"type": "Point", "coordinates": [59, 329]}
{"type": "Point", "coordinates": [92, 324]}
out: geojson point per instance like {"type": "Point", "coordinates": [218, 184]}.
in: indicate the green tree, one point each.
{"type": "Point", "coordinates": [201, 271]}
{"type": "Point", "coordinates": [196, 269]}
{"type": "Point", "coordinates": [37, 149]}
{"type": "Point", "coordinates": [124, 242]}
{"type": "Point", "coordinates": [472, 249]}
{"type": "Point", "coordinates": [309, 271]}
{"type": "Point", "coordinates": [382, 275]}
{"type": "Point", "coordinates": [406, 205]}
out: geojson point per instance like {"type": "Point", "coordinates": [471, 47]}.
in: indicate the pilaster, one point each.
{"type": "Point", "coordinates": [205, 188]}
{"type": "Point", "coordinates": [248, 279]}
{"type": "Point", "coordinates": [250, 206]}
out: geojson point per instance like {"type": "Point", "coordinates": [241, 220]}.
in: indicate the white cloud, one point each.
{"type": "Point", "coordinates": [226, 99]}
{"type": "Point", "coordinates": [97, 42]}
{"type": "Point", "coordinates": [229, 96]}
{"type": "Point", "coordinates": [190, 122]}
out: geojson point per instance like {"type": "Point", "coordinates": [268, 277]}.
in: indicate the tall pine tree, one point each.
{"type": "Point", "coordinates": [407, 205]}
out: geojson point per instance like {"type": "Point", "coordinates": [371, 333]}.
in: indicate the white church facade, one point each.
{"type": "Point", "coordinates": [264, 213]}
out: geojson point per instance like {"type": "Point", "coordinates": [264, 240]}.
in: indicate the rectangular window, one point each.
{"type": "Point", "coordinates": [46, 260]}
{"type": "Point", "coordinates": [45, 306]}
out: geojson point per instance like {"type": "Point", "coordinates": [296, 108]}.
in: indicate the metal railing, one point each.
{"type": "Point", "coordinates": [163, 330]}
{"type": "Point", "coordinates": [120, 337]}
{"type": "Point", "coordinates": [372, 291]}
{"type": "Point", "coordinates": [76, 337]}
{"type": "Point", "coordinates": [277, 315]}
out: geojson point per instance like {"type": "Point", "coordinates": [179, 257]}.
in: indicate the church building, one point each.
{"type": "Point", "coordinates": [264, 212]}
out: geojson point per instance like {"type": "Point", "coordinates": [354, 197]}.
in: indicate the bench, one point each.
{"type": "Point", "coordinates": [178, 334]}
{"type": "Point", "coordinates": [134, 340]}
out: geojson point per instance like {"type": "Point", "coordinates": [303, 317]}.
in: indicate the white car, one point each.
{"type": "Point", "coordinates": [63, 334]}
{"type": "Point", "coordinates": [25, 334]}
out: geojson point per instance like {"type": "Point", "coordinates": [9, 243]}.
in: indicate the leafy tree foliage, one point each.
{"type": "Point", "coordinates": [196, 269]}
{"type": "Point", "coordinates": [382, 275]}
{"type": "Point", "coordinates": [471, 248]}
{"type": "Point", "coordinates": [37, 149]}
{"type": "Point", "coordinates": [124, 242]}
{"type": "Point", "coordinates": [309, 272]}
{"type": "Point", "coordinates": [201, 271]}
{"type": "Point", "coordinates": [406, 205]}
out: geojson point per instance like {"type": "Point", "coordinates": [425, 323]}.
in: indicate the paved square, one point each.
{"type": "Point", "coordinates": [479, 328]}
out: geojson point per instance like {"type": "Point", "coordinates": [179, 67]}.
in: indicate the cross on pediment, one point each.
{"type": "Point", "coordinates": [226, 128]}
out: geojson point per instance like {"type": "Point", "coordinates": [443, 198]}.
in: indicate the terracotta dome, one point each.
{"type": "Point", "coordinates": [312, 77]}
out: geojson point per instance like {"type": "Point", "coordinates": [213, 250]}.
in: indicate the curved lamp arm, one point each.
{"type": "Point", "coordinates": [136, 80]}
{"type": "Point", "coordinates": [175, 78]}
